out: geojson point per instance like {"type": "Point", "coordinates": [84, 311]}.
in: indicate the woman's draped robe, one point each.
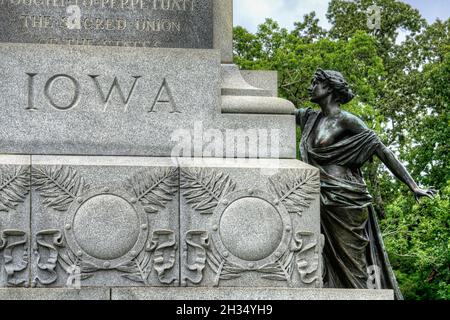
{"type": "Point", "coordinates": [353, 242]}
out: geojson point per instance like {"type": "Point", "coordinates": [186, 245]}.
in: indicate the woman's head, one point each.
{"type": "Point", "coordinates": [326, 82]}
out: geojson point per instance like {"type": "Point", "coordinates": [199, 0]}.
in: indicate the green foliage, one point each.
{"type": "Point", "coordinates": [416, 237]}
{"type": "Point", "coordinates": [348, 17]}
{"type": "Point", "coordinates": [402, 93]}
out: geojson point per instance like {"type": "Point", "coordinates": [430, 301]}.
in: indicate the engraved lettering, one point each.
{"type": "Point", "coordinates": [165, 4]}
{"type": "Point", "coordinates": [136, 4]}
{"type": "Point", "coordinates": [164, 97]}
{"type": "Point", "coordinates": [124, 4]}
{"type": "Point", "coordinates": [24, 19]}
{"type": "Point", "coordinates": [87, 23]}
{"type": "Point", "coordinates": [99, 24]}
{"type": "Point", "coordinates": [79, 42]}
{"type": "Point", "coordinates": [172, 23]}
{"type": "Point", "coordinates": [158, 25]}
{"type": "Point", "coordinates": [121, 24]}
{"type": "Point", "coordinates": [115, 84]}
{"type": "Point", "coordinates": [156, 5]}
{"type": "Point", "coordinates": [41, 22]}
{"type": "Point", "coordinates": [176, 3]}
{"type": "Point", "coordinates": [38, 22]}
{"type": "Point", "coordinates": [31, 91]}
{"type": "Point", "coordinates": [76, 95]}
{"type": "Point", "coordinates": [109, 25]}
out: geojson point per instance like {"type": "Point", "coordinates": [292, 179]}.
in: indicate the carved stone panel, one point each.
{"type": "Point", "coordinates": [250, 223]}
{"type": "Point", "coordinates": [14, 220]}
{"type": "Point", "coordinates": [85, 100]}
{"type": "Point", "coordinates": [104, 221]}
{"type": "Point", "coordinates": [137, 23]}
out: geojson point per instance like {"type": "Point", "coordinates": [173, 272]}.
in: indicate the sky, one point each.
{"type": "Point", "coordinates": [250, 13]}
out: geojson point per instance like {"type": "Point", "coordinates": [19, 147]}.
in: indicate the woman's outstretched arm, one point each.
{"type": "Point", "coordinates": [356, 125]}
{"type": "Point", "coordinates": [396, 167]}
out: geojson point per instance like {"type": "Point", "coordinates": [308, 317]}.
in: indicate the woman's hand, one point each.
{"type": "Point", "coordinates": [419, 193]}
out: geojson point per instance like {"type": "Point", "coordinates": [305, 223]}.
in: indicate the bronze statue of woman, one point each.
{"type": "Point", "coordinates": [339, 143]}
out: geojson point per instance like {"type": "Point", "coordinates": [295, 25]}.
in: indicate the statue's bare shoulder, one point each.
{"type": "Point", "coordinates": [352, 122]}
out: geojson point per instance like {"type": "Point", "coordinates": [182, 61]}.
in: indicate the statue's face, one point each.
{"type": "Point", "coordinates": [318, 90]}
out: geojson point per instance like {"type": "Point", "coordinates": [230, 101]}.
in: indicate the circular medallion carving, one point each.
{"type": "Point", "coordinates": [251, 229]}
{"type": "Point", "coordinates": [106, 227]}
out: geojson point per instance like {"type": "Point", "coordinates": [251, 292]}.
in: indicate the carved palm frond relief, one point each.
{"type": "Point", "coordinates": [204, 188]}
{"type": "Point", "coordinates": [138, 269]}
{"type": "Point", "coordinates": [58, 185]}
{"type": "Point", "coordinates": [154, 189]}
{"type": "Point", "coordinates": [296, 189]}
{"type": "Point", "coordinates": [14, 186]}
{"type": "Point", "coordinates": [281, 270]}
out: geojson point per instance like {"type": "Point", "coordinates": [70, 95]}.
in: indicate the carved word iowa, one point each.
{"type": "Point", "coordinates": [106, 91]}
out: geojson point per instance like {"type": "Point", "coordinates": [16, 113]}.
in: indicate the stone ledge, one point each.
{"type": "Point", "coordinates": [267, 80]}
{"type": "Point", "coordinates": [248, 294]}
{"type": "Point", "coordinates": [55, 294]}
{"type": "Point", "coordinates": [256, 105]}
{"type": "Point", "coordinates": [233, 84]}
{"type": "Point", "coordinates": [159, 294]}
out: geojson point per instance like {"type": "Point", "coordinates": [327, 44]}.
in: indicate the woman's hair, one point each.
{"type": "Point", "coordinates": [335, 80]}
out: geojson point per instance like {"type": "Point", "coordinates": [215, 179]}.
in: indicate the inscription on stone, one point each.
{"type": "Point", "coordinates": [68, 100]}
{"type": "Point", "coordinates": [109, 99]}
{"type": "Point", "coordinates": [130, 23]}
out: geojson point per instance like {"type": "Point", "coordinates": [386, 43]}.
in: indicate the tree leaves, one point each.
{"type": "Point", "coordinates": [14, 186]}
{"type": "Point", "coordinates": [154, 189]}
{"type": "Point", "coordinates": [296, 189]}
{"type": "Point", "coordinates": [58, 185]}
{"type": "Point", "coordinates": [204, 188]}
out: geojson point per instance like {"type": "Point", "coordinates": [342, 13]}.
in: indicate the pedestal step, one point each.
{"type": "Point", "coordinates": [159, 294]}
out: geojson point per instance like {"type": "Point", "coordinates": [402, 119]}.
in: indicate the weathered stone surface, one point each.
{"type": "Point", "coordinates": [256, 105]}
{"type": "Point", "coordinates": [141, 23]}
{"type": "Point", "coordinates": [55, 294]}
{"type": "Point", "coordinates": [249, 223]}
{"type": "Point", "coordinates": [267, 80]}
{"type": "Point", "coordinates": [223, 29]}
{"type": "Point", "coordinates": [14, 220]}
{"type": "Point", "coordinates": [86, 124]}
{"type": "Point", "coordinates": [108, 240]}
{"type": "Point", "coordinates": [252, 294]}
{"type": "Point", "coordinates": [243, 237]}
{"type": "Point", "coordinates": [120, 101]}
{"type": "Point", "coordinates": [233, 84]}
{"type": "Point", "coordinates": [104, 221]}
{"type": "Point", "coordinates": [240, 97]}
{"type": "Point", "coordinates": [164, 294]}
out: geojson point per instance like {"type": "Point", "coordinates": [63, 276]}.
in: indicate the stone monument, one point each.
{"type": "Point", "coordinates": [137, 162]}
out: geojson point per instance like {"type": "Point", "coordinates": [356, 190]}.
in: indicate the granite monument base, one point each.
{"type": "Point", "coordinates": [90, 221]}
{"type": "Point", "coordinates": [222, 294]}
